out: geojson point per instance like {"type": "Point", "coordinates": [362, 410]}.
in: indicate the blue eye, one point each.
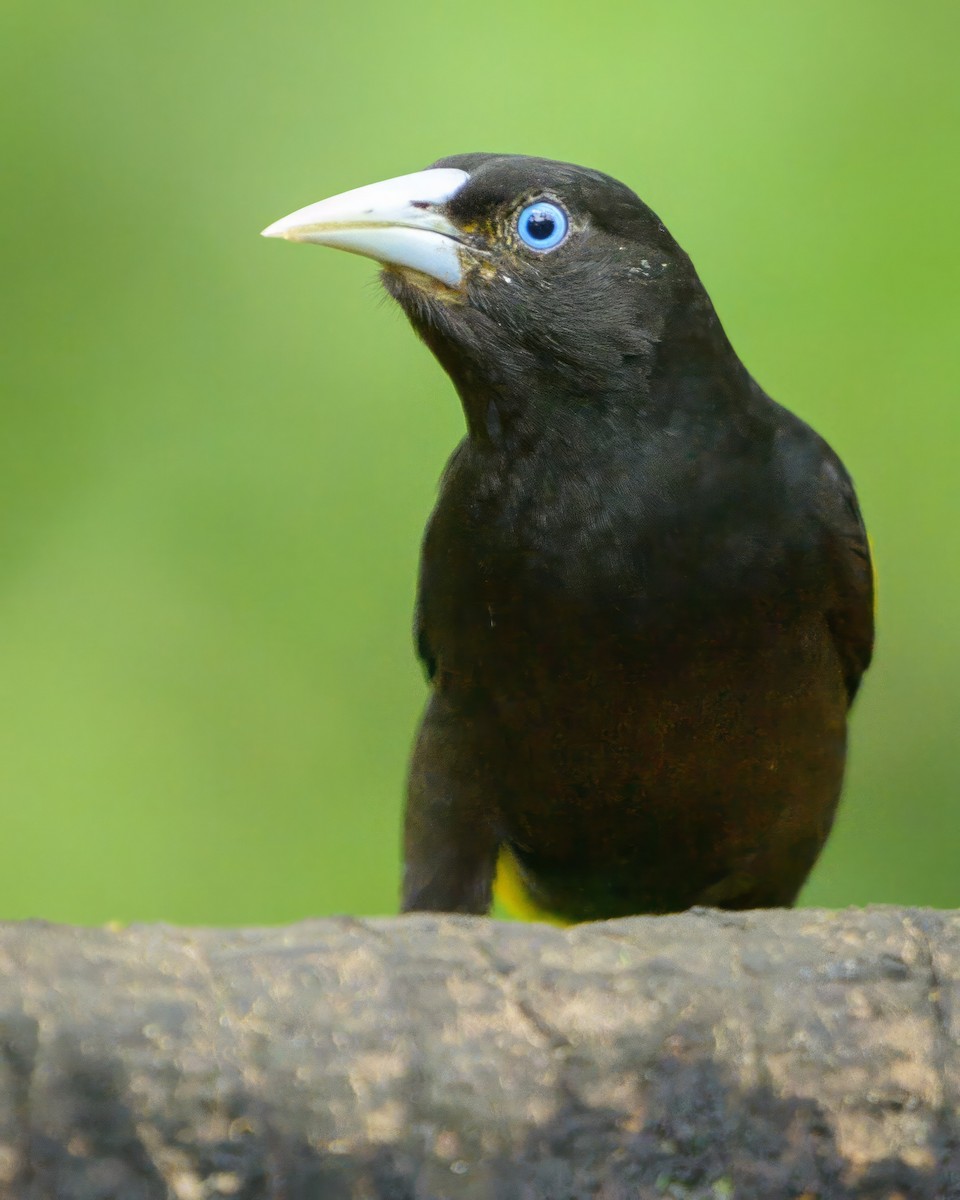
{"type": "Point", "coordinates": [542, 225]}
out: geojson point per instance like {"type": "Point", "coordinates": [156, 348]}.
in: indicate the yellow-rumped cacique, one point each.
{"type": "Point", "coordinates": [645, 599]}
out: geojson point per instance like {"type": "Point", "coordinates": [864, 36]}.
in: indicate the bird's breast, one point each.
{"type": "Point", "coordinates": [567, 566]}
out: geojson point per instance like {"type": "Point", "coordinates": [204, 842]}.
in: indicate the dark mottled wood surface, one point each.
{"type": "Point", "coordinates": [716, 1056]}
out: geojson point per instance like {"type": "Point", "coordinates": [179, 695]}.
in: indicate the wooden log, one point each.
{"type": "Point", "coordinates": [706, 1056]}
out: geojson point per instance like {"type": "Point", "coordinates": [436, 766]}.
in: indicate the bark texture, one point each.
{"type": "Point", "coordinates": [709, 1056]}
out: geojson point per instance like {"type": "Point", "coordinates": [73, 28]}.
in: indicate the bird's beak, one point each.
{"type": "Point", "coordinates": [398, 222]}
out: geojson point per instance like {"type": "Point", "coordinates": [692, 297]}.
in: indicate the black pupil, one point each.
{"type": "Point", "coordinates": [540, 225]}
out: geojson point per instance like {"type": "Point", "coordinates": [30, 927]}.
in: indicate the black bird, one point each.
{"type": "Point", "coordinates": [645, 593]}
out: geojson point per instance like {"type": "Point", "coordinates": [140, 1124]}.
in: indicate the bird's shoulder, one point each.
{"type": "Point", "coordinates": [822, 489]}
{"type": "Point", "coordinates": [851, 614]}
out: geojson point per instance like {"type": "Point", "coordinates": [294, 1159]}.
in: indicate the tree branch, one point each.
{"type": "Point", "coordinates": [707, 1055]}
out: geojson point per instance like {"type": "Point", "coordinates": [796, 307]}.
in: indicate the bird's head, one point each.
{"type": "Point", "coordinates": [521, 271]}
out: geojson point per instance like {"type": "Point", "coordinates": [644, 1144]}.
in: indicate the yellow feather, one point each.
{"type": "Point", "coordinates": [511, 893]}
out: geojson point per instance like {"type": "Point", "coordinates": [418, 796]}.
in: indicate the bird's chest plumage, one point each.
{"type": "Point", "coordinates": [553, 567]}
{"type": "Point", "coordinates": [515, 563]}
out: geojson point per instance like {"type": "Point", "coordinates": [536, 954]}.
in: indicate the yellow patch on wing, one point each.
{"type": "Point", "coordinates": [511, 893]}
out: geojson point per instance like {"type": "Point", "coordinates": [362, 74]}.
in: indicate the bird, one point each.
{"type": "Point", "coordinates": [645, 595]}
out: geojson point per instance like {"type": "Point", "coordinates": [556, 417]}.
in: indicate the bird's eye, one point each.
{"type": "Point", "coordinates": [542, 225]}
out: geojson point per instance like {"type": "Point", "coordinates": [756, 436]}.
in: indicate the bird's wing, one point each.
{"type": "Point", "coordinates": [851, 615]}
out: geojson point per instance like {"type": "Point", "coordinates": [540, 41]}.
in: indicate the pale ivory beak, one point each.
{"type": "Point", "coordinates": [397, 222]}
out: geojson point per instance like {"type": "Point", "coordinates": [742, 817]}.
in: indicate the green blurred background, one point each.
{"type": "Point", "coordinates": [218, 452]}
